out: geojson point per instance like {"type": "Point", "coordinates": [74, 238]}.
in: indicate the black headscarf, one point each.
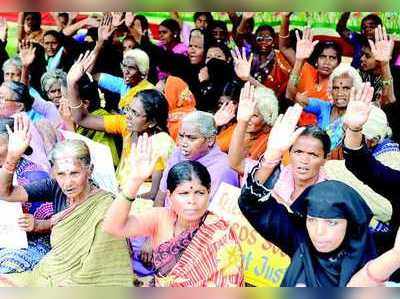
{"type": "Point", "coordinates": [332, 199]}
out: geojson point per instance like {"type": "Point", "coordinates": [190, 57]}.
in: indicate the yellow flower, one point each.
{"type": "Point", "coordinates": [229, 259]}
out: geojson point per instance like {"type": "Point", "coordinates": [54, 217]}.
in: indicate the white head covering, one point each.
{"type": "Point", "coordinates": [141, 59]}
{"type": "Point", "coordinates": [377, 125]}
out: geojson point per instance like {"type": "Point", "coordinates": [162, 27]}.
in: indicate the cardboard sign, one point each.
{"type": "Point", "coordinates": [11, 236]}
{"type": "Point", "coordinates": [264, 263]}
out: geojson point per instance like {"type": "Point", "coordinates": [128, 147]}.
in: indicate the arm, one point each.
{"type": "Point", "coordinates": [377, 271]}
{"type": "Point", "coordinates": [73, 28]}
{"type": "Point", "coordinates": [246, 17]}
{"type": "Point", "coordinates": [155, 184]}
{"type": "Point", "coordinates": [20, 26]}
{"type": "Point", "coordinates": [284, 41]}
{"type": "Point", "coordinates": [27, 55]}
{"type": "Point", "coordinates": [28, 223]}
{"type": "Point", "coordinates": [388, 88]}
{"type": "Point", "coordinates": [117, 220]}
{"type": "Point", "coordinates": [304, 48]}
{"type": "Point", "coordinates": [247, 105]}
{"type": "Point", "coordinates": [341, 26]}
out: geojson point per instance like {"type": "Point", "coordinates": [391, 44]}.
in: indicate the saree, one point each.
{"type": "Point", "coordinates": [127, 99]}
{"type": "Point", "coordinates": [213, 258]}
{"type": "Point", "coordinates": [81, 254]}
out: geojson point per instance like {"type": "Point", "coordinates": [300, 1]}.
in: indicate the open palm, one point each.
{"type": "Point", "coordinates": [19, 139]}
{"type": "Point", "coordinates": [247, 103]}
{"type": "Point", "coordinates": [143, 158]}
{"type": "Point", "coordinates": [242, 64]}
{"type": "Point", "coordinates": [359, 106]}
{"type": "Point", "coordinates": [382, 48]}
{"type": "Point", "coordinates": [305, 45]}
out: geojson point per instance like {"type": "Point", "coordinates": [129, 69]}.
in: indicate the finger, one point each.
{"type": "Point", "coordinates": [296, 134]}
{"type": "Point", "coordinates": [297, 35]}
{"type": "Point", "coordinates": [9, 131]}
{"type": "Point", "coordinates": [372, 46]}
{"type": "Point", "coordinates": [315, 42]}
{"type": "Point", "coordinates": [251, 58]}
{"type": "Point", "coordinates": [365, 91]}
{"type": "Point", "coordinates": [385, 36]}
{"type": "Point", "coordinates": [234, 56]}
{"type": "Point", "coordinates": [244, 56]}
{"type": "Point", "coordinates": [239, 56]}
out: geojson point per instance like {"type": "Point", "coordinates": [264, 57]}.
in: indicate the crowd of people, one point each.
{"type": "Point", "coordinates": [310, 137]}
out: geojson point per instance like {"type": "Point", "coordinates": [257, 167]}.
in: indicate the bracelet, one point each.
{"type": "Point", "coordinates": [121, 194]}
{"type": "Point", "coordinates": [387, 82]}
{"type": "Point", "coordinates": [285, 36]}
{"type": "Point", "coordinates": [10, 166]}
{"type": "Point", "coordinates": [373, 278]}
{"type": "Point", "coordinates": [77, 106]}
{"type": "Point", "coordinates": [355, 130]}
{"type": "Point", "coordinates": [294, 78]}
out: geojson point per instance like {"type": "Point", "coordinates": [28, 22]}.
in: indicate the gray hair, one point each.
{"type": "Point", "coordinates": [204, 121]}
{"type": "Point", "coordinates": [346, 70]}
{"type": "Point", "coordinates": [267, 104]}
{"type": "Point", "coordinates": [51, 77]}
{"type": "Point", "coordinates": [76, 149]}
{"type": "Point", "coordinates": [13, 61]}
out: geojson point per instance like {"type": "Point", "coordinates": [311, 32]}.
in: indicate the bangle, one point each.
{"type": "Point", "coordinates": [294, 78]}
{"type": "Point", "coordinates": [355, 130]}
{"type": "Point", "coordinates": [122, 195]}
{"type": "Point", "coordinates": [373, 278]}
{"type": "Point", "coordinates": [284, 36]}
{"type": "Point", "coordinates": [387, 82]}
{"type": "Point", "coordinates": [77, 106]}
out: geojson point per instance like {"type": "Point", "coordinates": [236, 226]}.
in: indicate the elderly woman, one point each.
{"type": "Point", "coordinates": [35, 214]}
{"type": "Point", "coordinates": [147, 112]}
{"type": "Point", "coordinates": [196, 142]}
{"type": "Point", "coordinates": [257, 112]}
{"type": "Point", "coordinates": [52, 83]}
{"type": "Point", "coordinates": [75, 198]}
{"type": "Point", "coordinates": [192, 247]}
{"type": "Point", "coordinates": [330, 114]}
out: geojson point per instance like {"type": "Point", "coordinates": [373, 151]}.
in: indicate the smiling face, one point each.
{"type": "Point", "coordinates": [306, 158]}
{"type": "Point", "coordinates": [191, 142]}
{"type": "Point", "coordinates": [72, 176]}
{"type": "Point", "coordinates": [341, 87]}
{"type": "Point", "coordinates": [326, 235]}
{"type": "Point", "coordinates": [327, 61]}
{"type": "Point", "coordinates": [218, 34]}
{"type": "Point", "coordinates": [189, 200]}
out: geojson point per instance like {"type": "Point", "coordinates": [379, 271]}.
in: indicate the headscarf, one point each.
{"type": "Point", "coordinates": [333, 199]}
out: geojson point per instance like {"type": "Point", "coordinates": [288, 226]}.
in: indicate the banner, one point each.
{"type": "Point", "coordinates": [264, 263]}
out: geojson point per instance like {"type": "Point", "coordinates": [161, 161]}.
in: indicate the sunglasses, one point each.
{"type": "Point", "coordinates": [264, 38]}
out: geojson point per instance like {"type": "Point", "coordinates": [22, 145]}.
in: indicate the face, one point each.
{"type": "Point", "coordinates": [71, 176]}
{"type": "Point", "coordinates": [215, 53]}
{"type": "Point", "coordinates": [218, 34]}
{"type": "Point", "coordinates": [196, 49]}
{"type": "Point", "coordinates": [224, 100]}
{"type": "Point", "coordinates": [130, 71]}
{"type": "Point", "coordinates": [327, 61]}
{"type": "Point", "coordinates": [306, 158]}
{"type": "Point", "coordinates": [190, 200]}
{"type": "Point", "coordinates": [166, 35]}
{"type": "Point", "coordinates": [127, 45]}
{"type": "Point", "coordinates": [8, 105]}
{"type": "Point", "coordinates": [136, 117]}
{"type": "Point", "coordinates": [256, 123]}
{"type": "Point", "coordinates": [51, 45]}
{"type": "Point", "coordinates": [368, 62]}
{"type": "Point", "coordinates": [54, 93]}
{"type": "Point", "coordinates": [29, 21]}
{"type": "Point", "coordinates": [12, 73]}
{"type": "Point", "coordinates": [191, 142]}
{"type": "Point", "coordinates": [341, 87]}
{"type": "Point", "coordinates": [264, 41]}
{"type": "Point", "coordinates": [368, 29]}
{"type": "Point", "coordinates": [326, 234]}
{"type": "Point", "coordinates": [201, 22]}
{"type": "Point", "coordinates": [63, 21]}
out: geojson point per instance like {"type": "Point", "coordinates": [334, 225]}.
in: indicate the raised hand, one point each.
{"type": "Point", "coordinates": [84, 62]}
{"type": "Point", "coordinates": [105, 29]}
{"type": "Point", "coordinates": [92, 22]}
{"type": "Point", "coordinates": [225, 114]}
{"type": "Point", "coordinates": [129, 19]}
{"type": "Point", "coordinates": [26, 52]}
{"type": "Point", "coordinates": [117, 18]}
{"type": "Point", "coordinates": [3, 29]}
{"type": "Point", "coordinates": [382, 48]}
{"type": "Point", "coordinates": [359, 106]}
{"type": "Point", "coordinates": [65, 110]}
{"type": "Point", "coordinates": [247, 103]}
{"type": "Point", "coordinates": [286, 14]}
{"type": "Point", "coordinates": [284, 133]}
{"type": "Point", "coordinates": [26, 222]}
{"type": "Point", "coordinates": [242, 64]}
{"type": "Point", "coordinates": [143, 159]}
{"type": "Point", "coordinates": [203, 74]}
{"type": "Point", "coordinates": [305, 45]}
{"type": "Point", "coordinates": [19, 139]}
{"type": "Point", "coordinates": [248, 15]}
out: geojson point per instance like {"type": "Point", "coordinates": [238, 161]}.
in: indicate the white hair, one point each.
{"type": "Point", "coordinates": [267, 104]}
{"type": "Point", "coordinates": [204, 121]}
{"type": "Point", "coordinates": [346, 70]}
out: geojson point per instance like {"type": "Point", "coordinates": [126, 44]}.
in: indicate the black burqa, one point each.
{"type": "Point", "coordinates": [332, 199]}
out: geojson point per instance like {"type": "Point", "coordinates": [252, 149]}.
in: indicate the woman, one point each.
{"type": "Point", "coordinates": [375, 67]}
{"type": "Point", "coordinates": [52, 83]}
{"type": "Point", "coordinates": [312, 77]}
{"type": "Point", "coordinates": [253, 127]}
{"type": "Point", "coordinates": [196, 142]}
{"type": "Point", "coordinates": [35, 214]}
{"type": "Point", "coordinates": [330, 114]}
{"type": "Point", "coordinates": [30, 27]}
{"type": "Point", "coordinates": [148, 112]}
{"type": "Point", "coordinates": [80, 253]}
{"type": "Point", "coordinates": [192, 248]}
{"type": "Point", "coordinates": [219, 32]}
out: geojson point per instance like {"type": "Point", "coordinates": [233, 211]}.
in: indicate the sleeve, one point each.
{"type": "Point", "coordinates": [269, 218]}
{"type": "Point", "coordinates": [43, 190]}
{"type": "Point", "coordinates": [315, 106]}
{"type": "Point", "coordinates": [47, 109]}
{"type": "Point", "coordinates": [111, 83]}
{"type": "Point", "coordinates": [115, 124]}
{"type": "Point", "coordinates": [382, 179]}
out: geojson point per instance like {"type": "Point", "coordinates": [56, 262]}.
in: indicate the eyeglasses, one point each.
{"type": "Point", "coordinates": [130, 68]}
{"type": "Point", "coordinates": [261, 38]}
